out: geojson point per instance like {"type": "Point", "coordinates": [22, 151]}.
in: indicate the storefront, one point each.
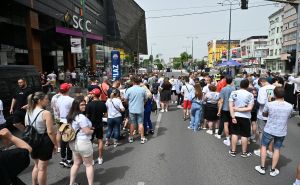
{"type": "Point", "coordinates": [40, 32]}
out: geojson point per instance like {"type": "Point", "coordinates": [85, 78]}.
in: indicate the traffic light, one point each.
{"type": "Point", "coordinates": [244, 4]}
{"type": "Point", "coordinates": [292, 57]}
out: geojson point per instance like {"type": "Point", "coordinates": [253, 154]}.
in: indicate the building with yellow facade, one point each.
{"type": "Point", "coordinates": [217, 49]}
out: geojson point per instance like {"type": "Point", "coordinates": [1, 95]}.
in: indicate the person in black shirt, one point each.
{"type": "Point", "coordinates": [13, 161]}
{"type": "Point", "coordinates": [19, 104]}
{"type": "Point", "coordinates": [95, 111]}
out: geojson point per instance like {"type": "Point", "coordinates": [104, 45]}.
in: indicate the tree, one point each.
{"type": "Point", "coordinates": [176, 63]}
{"type": "Point", "coordinates": [158, 63]}
{"type": "Point", "coordinates": [184, 57]}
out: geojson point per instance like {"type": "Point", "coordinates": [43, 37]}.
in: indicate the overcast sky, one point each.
{"type": "Point", "coordinates": [168, 36]}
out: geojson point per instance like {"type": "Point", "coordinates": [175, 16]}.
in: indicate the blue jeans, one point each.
{"type": "Point", "coordinates": [196, 115]}
{"type": "Point", "coordinates": [147, 121]}
{"type": "Point", "coordinates": [113, 127]}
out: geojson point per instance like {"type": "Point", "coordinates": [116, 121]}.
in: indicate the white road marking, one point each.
{"type": "Point", "coordinates": [140, 183]}
{"type": "Point", "coordinates": [157, 125]}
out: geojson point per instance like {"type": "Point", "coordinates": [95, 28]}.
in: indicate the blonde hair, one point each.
{"type": "Point", "coordinates": [33, 100]}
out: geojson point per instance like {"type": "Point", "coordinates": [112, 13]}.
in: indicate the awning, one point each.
{"type": "Point", "coordinates": [75, 33]}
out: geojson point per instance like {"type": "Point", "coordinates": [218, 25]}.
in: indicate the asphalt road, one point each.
{"type": "Point", "coordinates": [178, 156]}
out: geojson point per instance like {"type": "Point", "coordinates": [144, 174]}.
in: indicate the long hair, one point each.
{"type": "Point", "coordinates": [75, 109]}
{"type": "Point", "coordinates": [33, 100]}
{"type": "Point", "coordinates": [198, 91]}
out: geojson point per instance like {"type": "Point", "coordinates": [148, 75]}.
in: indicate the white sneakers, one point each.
{"type": "Point", "coordinates": [226, 142]}
{"type": "Point", "coordinates": [100, 161]}
{"type": "Point", "coordinates": [269, 153]}
{"type": "Point", "coordinates": [218, 136]}
{"type": "Point", "coordinates": [262, 171]}
{"type": "Point", "coordinates": [209, 132]}
{"type": "Point", "coordinates": [143, 140]}
{"type": "Point", "coordinates": [162, 110]}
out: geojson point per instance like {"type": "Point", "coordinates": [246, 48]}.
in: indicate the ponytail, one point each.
{"type": "Point", "coordinates": [33, 100]}
{"type": "Point", "coordinates": [30, 103]}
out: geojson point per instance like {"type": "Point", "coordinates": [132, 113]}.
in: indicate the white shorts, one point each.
{"type": "Point", "coordinates": [82, 147]}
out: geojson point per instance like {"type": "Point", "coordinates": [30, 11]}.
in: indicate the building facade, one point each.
{"type": "Point", "coordinates": [218, 49]}
{"type": "Point", "coordinates": [39, 32]}
{"type": "Point", "coordinates": [253, 51]}
{"type": "Point", "coordinates": [289, 35]}
{"type": "Point", "coordinates": [275, 40]}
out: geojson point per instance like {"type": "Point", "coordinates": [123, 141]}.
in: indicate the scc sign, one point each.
{"type": "Point", "coordinates": [78, 23]}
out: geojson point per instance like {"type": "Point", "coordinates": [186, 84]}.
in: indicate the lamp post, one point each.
{"type": "Point", "coordinates": [84, 54]}
{"type": "Point", "coordinates": [230, 3]}
{"type": "Point", "coordinates": [152, 44]}
{"type": "Point", "coordinates": [192, 37]}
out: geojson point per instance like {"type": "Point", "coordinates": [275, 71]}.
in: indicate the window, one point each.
{"type": "Point", "coordinates": [277, 41]}
{"type": "Point", "coordinates": [275, 54]}
{"type": "Point", "coordinates": [277, 29]}
{"type": "Point", "coordinates": [271, 52]}
{"type": "Point", "coordinates": [279, 52]}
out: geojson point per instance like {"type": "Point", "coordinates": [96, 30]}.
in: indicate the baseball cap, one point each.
{"type": "Point", "coordinates": [65, 87]}
{"type": "Point", "coordinates": [95, 91]}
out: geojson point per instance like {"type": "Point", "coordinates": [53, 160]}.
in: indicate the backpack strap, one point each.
{"type": "Point", "coordinates": [31, 123]}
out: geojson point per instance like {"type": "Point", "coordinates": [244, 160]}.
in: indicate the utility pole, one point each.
{"type": "Point", "coordinates": [192, 37]}
{"type": "Point", "coordinates": [84, 54]}
{"type": "Point", "coordinates": [230, 3]}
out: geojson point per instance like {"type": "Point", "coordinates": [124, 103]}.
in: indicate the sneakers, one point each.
{"type": "Point", "coordinates": [130, 140]}
{"type": "Point", "coordinates": [257, 152]}
{"type": "Point", "coordinates": [179, 106]}
{"type": "Point", "coordinates": [232, 153]}
{"type": "Point", "coordinates": [62, 162]}
{"type": "Point", "coordinates": [209, 132]}
{"type": "Point", "coordinates": [218, 136]}
{"type": "Point", "coordinates": [269, 154]}
{"type": "Point", "coordinates": [100, 161]}
{"type": "Point", "coordinates": [246, 154]}
{"type": "Point", "coordinates": [216, 131]}
{"type": "Point", "coordinates": [261, 170]}
{"type": "Point", "coordinates": [151, 132]}
{"type": "Point", "coordinates": [116, 144]}
{"type": "Point", "coordinates": [226, 142]}
{"type": "Point", "coordinates": [58, 150]}
{"type": "Point", "coordinates": [68, 163]}
{"type": "Point", "coordinates": [274, 172]}
{"type": "Point", "coordinates": [166, 110]}
{"type": "Point", "coordinates": [189, 127]}
{"type": "Point", "coordinates": [162, 110]}
{"type": "Point", "coordinates": [143, 140]}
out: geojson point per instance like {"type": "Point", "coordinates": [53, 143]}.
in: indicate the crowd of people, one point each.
{"type": "Point", "coordinates": [254, 109]}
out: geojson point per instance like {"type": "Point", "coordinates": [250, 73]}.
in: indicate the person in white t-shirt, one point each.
{"type": "Point", "coordinates": [187, 91]}
{"type": "Point", "coordinates": [56, 118]}
{"type": "Point", "coordinates": [73, 76]}
{"type": "Point", "coordinates": [265, 95]}
{"type": "Point", "coordinates": [173, 90]}
{"type": "Point", "coordinates": [240, 105]}
{"type": "Point", "coordinates": [205, 89]}
{"type": "Point", "coordinates": [64, 103]}
{"type": "Point", "coordinates": [114, 109]}
{"type": "Point", "coordinates": [2, 119]}
{"type": "Point", "coordinates": [82, 146]}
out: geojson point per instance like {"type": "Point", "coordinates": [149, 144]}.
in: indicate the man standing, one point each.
{"type": "Point", "coordinates": [95, 111]}
{"type": "Point", "coordinates": [136, 97]}
{"type": "Point", "coordinates": [19, 104]}
{"type": "Point", "coordinates": [187, 91]}
{"type": "Point", "coordinates": [64, 103]}
{"type": "Point", "coordinates": [104, 88]}
{"type": "Point", "coordinates": [265, 95]}
{"type": "Point", "coordinates": [278, 113]}
{"type": "Point", "coordinates": [223, 110]}
{"type": "Point", "coordinates": [240, 105]}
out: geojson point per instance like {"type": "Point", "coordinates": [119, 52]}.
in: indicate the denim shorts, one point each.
{"type": "Point", "coordinates": [136, 118]}
{"type": "Point", "coordinates": [267, 138]}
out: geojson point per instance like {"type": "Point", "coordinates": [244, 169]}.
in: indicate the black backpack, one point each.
{"type": "Point", "coordinates": [155, 88]}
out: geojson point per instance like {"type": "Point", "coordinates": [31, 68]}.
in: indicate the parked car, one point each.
{"type": "Point", "coordinates": [9, 75]}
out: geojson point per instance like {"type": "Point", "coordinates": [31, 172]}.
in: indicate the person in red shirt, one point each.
{"type": "Point", "coordinates": [221, 84]}
{"type": "Point", "coordinates": [104, 88]}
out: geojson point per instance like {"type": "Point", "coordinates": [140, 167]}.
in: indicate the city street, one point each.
{"type": "Point", "coordinates": [175, 155]}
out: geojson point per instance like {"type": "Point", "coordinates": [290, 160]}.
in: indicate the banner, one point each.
{"type": "Point", "coordinates": [76, 45]}
{"type": "Point", "coordinates": [116, 68]}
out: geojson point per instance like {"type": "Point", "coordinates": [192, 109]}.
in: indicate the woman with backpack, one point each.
{"type": "Point", "coordinates": [42, 122]}
{"type": "Point", "coordinates": [81, 147]}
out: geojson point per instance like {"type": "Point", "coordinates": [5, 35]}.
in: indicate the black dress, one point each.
{"type": "Point", "coordinates": [165, 94]}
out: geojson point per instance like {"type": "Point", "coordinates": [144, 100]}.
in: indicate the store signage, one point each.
{"type": "Point", "coordinates": [76, 45]}
{"type": "Point", "coordinates": [78, 23]}
{"type": "Point", "coordinates": [116, 67]}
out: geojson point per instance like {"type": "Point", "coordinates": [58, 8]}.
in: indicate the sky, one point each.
{"type": "Point", "coordinates": [169, 36]}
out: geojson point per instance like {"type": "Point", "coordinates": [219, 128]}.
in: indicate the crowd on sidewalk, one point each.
{"type": "Point", "coordinates": [251, 109]}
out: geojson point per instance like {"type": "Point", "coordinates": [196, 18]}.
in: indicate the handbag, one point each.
{"type": "Point", "coordinates": [30, 135]}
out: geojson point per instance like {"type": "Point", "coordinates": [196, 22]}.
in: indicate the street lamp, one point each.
{"type": "Point", "coordinates": [230, 3]}
{"type": "Point", "coordinates": [192, 37]}
{"type": "Point", "coordinates": [152, 44]}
